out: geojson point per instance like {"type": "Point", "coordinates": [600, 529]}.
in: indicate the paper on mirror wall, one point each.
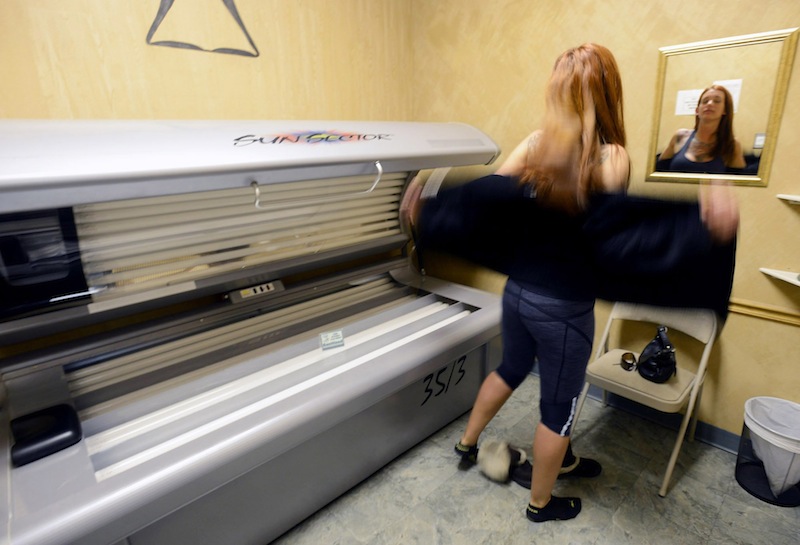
{"type": "Point", "coordinates": [686, 101]}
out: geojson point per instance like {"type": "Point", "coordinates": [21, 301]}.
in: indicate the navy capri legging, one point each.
{"type": "Point", "coordinates": [559, 334]}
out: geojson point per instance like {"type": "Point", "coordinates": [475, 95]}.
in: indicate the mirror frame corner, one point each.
{"type": "Point", "coordinates": [789, 38]}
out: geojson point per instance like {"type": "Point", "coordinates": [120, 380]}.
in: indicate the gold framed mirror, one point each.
{"type": "Point", "coordinates": [755, 69]}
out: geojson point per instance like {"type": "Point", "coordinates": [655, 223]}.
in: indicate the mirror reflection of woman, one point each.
{"type": "Point", "coordinates": [711, 147]}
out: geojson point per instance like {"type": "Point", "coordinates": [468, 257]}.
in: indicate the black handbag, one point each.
{"type": "Point", "coordinates": [657, 361]}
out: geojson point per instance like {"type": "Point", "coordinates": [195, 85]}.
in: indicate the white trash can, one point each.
{"type": "Point", "coordinates": [768, 462]}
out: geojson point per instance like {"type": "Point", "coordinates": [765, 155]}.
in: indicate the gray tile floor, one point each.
{"type": "Point", "coordinates": [423, 498]}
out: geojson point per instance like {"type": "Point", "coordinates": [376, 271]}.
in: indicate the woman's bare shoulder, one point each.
{"type": "Point", "coordinates": [681, 135]}
{"type": "Point", "coordinates": [614, 168]}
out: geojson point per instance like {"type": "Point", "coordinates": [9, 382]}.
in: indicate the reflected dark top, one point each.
{"type": "Point", "coordinates": [680, 163]}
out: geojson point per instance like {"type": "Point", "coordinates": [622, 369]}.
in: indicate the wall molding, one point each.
{"type": "Point", "coordinates": [764, 311]}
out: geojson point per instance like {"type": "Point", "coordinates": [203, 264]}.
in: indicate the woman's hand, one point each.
{"type": "Point", "coordinates": [409, 206]}
{"type": "Point", "coordinates": [719, 210]}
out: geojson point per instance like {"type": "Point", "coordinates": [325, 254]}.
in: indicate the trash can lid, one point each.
{"type": "Point", "coordinates": [776, 420]}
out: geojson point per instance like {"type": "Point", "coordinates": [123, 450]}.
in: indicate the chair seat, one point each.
{"type": "Point", "coordinates": [607, 373]}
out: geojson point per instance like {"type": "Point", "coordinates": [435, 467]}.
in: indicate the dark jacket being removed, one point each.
{"type": "Point", "coordinates": [622, 248]}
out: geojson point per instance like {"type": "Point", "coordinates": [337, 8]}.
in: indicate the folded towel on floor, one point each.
{"type": "Point", "coordinates": [497, 458]}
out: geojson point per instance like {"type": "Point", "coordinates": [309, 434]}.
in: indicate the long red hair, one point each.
{"type": "Point", "coordinates": [583, 111]}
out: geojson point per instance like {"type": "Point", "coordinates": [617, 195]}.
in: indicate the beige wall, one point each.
{"type": "Point", "coordinates": [317, 60]}
{"type": "Point", "coordinates": [479, 62]}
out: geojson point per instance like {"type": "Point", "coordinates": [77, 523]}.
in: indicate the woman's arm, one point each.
{"type": "Point", "coordinates": [738, 156]}
{"type": "Point", "coordinates": [409, 206]}
{"type": "Point", "coordinates": [719, 210]}
{"type": "Point", "coordinates": [676, 142]}
{"type": "Point", "coordinates": [514, 165]}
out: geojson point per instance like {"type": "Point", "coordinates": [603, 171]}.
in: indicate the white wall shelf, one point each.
{"type": "Point", "coordinates": [794, 199]}
{"type": "Point", "coordinates": [787, 276]}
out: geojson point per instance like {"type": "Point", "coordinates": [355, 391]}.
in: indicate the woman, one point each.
{"type": "Point", "coordinates": [555, 219]}
{"type": "Point", "coordinates": [548, 312]}
{"type": "Point", "coordinates": [711, 147]}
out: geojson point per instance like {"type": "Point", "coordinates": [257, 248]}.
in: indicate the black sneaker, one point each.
{"type": "Point", "coordinates": [580, 468]}
{"type": "Point", "coordinates": [522, 474]}
{"type": "Point", "coordinates": [469, 455]}
{"type": "Point", "coordinates": [556, 509]}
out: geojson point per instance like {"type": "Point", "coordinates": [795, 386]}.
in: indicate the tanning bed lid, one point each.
{"type": "Point", "coordinates": [56, 163]}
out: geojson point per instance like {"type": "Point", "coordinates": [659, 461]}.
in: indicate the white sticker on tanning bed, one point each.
{"type": "Point", "coordinates": [331, 339]}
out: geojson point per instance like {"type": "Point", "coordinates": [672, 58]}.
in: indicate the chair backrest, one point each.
{"type": "Point", "coordinates": [695, 322]}
{"type": "Point", "coordinates": [701, 324]}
